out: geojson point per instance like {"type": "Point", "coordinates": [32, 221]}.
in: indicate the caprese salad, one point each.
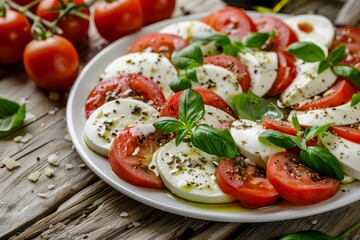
{"type": "Point", "coordinates": [232, 108]}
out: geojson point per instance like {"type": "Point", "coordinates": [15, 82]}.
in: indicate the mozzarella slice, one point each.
{"type": "Point", "coordinates": [246, 133]}
{"type": "Point", "coordinates": [341, 115]}
{"type": "Point", "coordinates": [108, 120]}
{"type": "Point", "coordinates": [313, 28]}
{"type": "Point", "coordinates": [189, 173]}
{"type": "Point", "coordinates": [218, 79]}
{"type": "Point", "coordinates": [347, 152]}
{"type": "Point", "coordinates": [263, 68]}
{"type": "Point", "coordinates": [152, 65]}
{"type": "Point", "coordinates": [215, 117]}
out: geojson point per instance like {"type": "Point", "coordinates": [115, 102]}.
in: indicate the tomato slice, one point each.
{"type": "Point", "coordinates": [284, 34]}
{"type": "Point", "coordinates": [351, 133]}
{"type": "Point", "coordinates": [161, 43]}
{"type": "Point", "coordinates": [171, 107]}
{"type": "Point", "coordinates": [232, 21]}
{"type": "Point", "coordinates": [347, 35]}
{"type": "Point", "coordinates": [352, 56]}
{"type": "Point", "coordinates": [342, 92]}
{"type": "Point", "coordinates": [233, 65]}
{"type": "Point", "coordinates": [127, 85]}
{"type": "Point", "coordinates": [130, 155]}
{"type": "Point", "coordinates": [278, 125]}
{"type": "Point", "coordinates": [297, 183]}
{"type": "Point", "coordinates": [245, 182]}
{"type": "Point", "coordinates": [286, 74]}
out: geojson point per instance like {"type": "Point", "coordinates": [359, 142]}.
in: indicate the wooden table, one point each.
{"type": "Point", "coordinates": [81, 205]}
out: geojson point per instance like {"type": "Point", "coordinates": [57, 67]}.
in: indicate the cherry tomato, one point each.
{"type": "Point", "coordinates": [278, 125]}
{"type": "Point", "coordinates": [141, 88]}
{"type": "Point", "coordinates": [171, 107]}
{"type": "Point", "coordinates": [350, 133]}
{"type": "Point", "coordinates": [232, 21]}
{"type": "Point", "coordinates": [130, 156]}
{"type": "Point", "coordinates": [161, 43]}
{"type": "Point", "coordinates": [286, 74]}
{"type": "Point", "coordinates": [52, 64]}
{"type": "Point", "coordinates": [284, 34]}
{"type": "Point", "coordinates": [118, 18]}
{"type": "Point", "coordinates": [342, 92]}
{"type": "Point", "coordinates": [297, 183]}
{"type": "Point", "coordinates": [75, 28]}
{"type": "Point", "coordinates": [26, 2]}
{"type": "Point", "coordinates": [15, 34]}
{"type": "Point", "coordinates": [245, 182]}
{"type": "Point", "coordinates": [233, 65]}
{"type": "Point", "coordinates": [156, 10]}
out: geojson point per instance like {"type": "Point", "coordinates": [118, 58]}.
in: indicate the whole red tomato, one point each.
{"type": "Point", "coordinates": [53, 63]}
{"type": "Point", "coordinates": [156, 10]}
{"type": "Point", "coordinates": [118, 18]}
{"type": "Point", "coordinates": [15, 34]}
{"type": "Point", "coordinates": [75, 28]}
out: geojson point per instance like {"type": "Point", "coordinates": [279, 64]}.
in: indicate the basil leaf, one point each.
{"type": "Point", "coordinates": [314, 131]}
{"type": "Point", "coordinates": [168, 124]}
{"type": "Point", "coordinates": [337, 55]}
{"type": "Point", "coordinates": [322, 161]}
{"type": "Point", "coordinates": [214, 141]}
{"type": "Point", "coordinates": [256, 40]}
{"type": "Point", "coordinates": [8, 108]}
{"type": "Point", "coordinates": [323, 66]}
{"type": "Point", "coordinates": [308, 235]}
{"type": "Point", "coordinates": [355, 99]}
{"type": "Point", "coordinates": [307, 51]}
{"type": "Point", "coordinates": [191, 107]}
{"type": "Point", "coordinates": [296, 123]}
{"type": "Point", "coordinates": [179, 84]}
{"type": "Point", "coordinates": [191, 74]}
{"type": "Point", "coordinates": [231, 50]}
{"type": "Point", "coordinates": [218, 39]}
{"type": "Point", "coordinates": [348, 72]}
{"type": "Point", "coordinates": [11, 121]}
{"type": "Point", "coordinates": [180, 135]}
{"type": "Point", "coordinates": [183, 63]}
{"type": "Point", "coordinates": [278, 138]}
{"type": "Point", "coordinates": [191, 52]}
{"type": "Point", "coordinates": [249, 106]}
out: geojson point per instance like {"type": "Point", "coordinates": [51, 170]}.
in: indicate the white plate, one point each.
{"type": "Point", "coordinates": [162, 199]}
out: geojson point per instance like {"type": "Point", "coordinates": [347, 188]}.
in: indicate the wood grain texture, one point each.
{"type": "Point", "coordinates": [81, 206]}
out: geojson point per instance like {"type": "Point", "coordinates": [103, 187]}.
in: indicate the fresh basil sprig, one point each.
{"type": "Point", "coordinates": [12, 115]}
{"type": "Point", "coordinates": [317, 158]}
{"type": "Point", "coordinates": [355, 99]}
{"type": "Point", "coordinates": [187, 60]}
{"type": "Point", "coordinates": [310, 52]}
{"type": "Point", "coordinates": [208, 139]}
{"type": "Point", "coordinates": [249, 106]}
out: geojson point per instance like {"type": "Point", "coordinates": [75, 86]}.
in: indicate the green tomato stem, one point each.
{"type": "Point", "coordinates": [2, 9]}
{"type": "Point", "coordinates": [349, 231]}
{"type": "Point", "coordinates": [30, 5]}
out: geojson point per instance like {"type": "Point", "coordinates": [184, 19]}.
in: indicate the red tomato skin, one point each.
{"type": "Point", "coordinates": [134, 168]}
{"type": "Point", "coordinates": [114, 20]}
{"type": "Point", "coordinates": [251, 190]}
{"type": "Point", "coordinates": [53, 63]}
{"type": "Point", "coordinates": [233, 65]}
{"type": "Point", "coordinates": [286, 74]}
{"type": "Point", "coordinates": [15, 34]}
{"type": "Point", "coordinates": [347, 35]}
{"type": "Point", "coordinates": [298, 189]}
{"type": "Point", "coordinates": [156, 10]}
{"type": "Point", "coordinates": [161, 43]}
{"type": "Point", "coordinates": [26, 2]}
{"type": "Point", "coordinates": [74, 28]}
{"type": "Point", "coordinates": [115, 87]}
{"type": "Point", "coordinates": [171, 107]}
{"type": "Point", "coordinates": [346, 132]}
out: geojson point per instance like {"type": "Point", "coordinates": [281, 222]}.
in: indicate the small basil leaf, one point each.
{"type": "Point", "coordinates": [337, 55]}
{"type": "Point", "coordinates": [348, 72]}
{"type": "Point", "coordinates": [12, 121]}
{"type": "Point", "coordinates": [182, 62]}
{"type": "Point", "coordinates": [256, 40]}
{"type": "Point", "coordinates": [323, 66]}
{"type": "Point", "coordinates": [214, 141]}
{"type": "Point", "coordinates": [179, 84]}
{"type": "Point", "coordinates": [191, 52]}
{"type": "Point", "coordinates": [355, 99]}
{"type": "Point", "coordinates": [8, 108]}
{"type": "Point", "coordinates": [231, 50]}
{"type": "Point", "coordinates": [191, 107]}
{"type": "Point", "coordinates": [314, 131]}
{"type": "Point", "coordinates": [296, 123]}
{"type": "Point", "coordinates": [191, 74]}
{"type": "Point", "coordinates": [249, 106]}
{"type": "Point", "coordinates": [308, 235]}
{"type": "Point", "coordinates": [307, 51]}
{"type": "Point", "coordinates": [180, 135]}
{"type": "Point", "coordinates": [322, 161]}
{"type": "Point", "coordinates": [168, 124]}
{"type": "Point", "coordinates": [278, 138]}
{"type": "Point", "coordinates": [219, 39]}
